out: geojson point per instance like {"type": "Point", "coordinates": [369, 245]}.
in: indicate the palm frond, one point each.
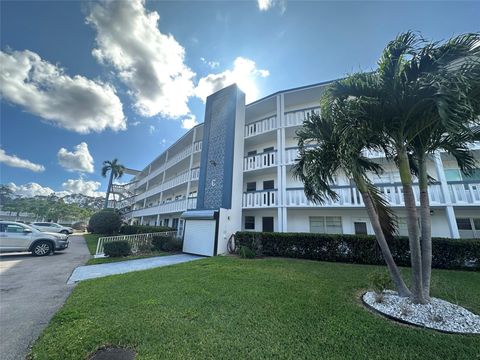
{"type": "Point", "coordinates": [387, 217]}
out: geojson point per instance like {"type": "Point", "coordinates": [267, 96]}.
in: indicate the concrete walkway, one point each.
{"type": "Point", "coordinates": [122, 267]}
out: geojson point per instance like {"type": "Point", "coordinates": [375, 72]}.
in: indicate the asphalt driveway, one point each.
{"type": "Point", "coordinates": [32, 289]}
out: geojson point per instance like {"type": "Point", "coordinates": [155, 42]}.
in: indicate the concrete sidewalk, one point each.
{"type": "Point", "coordinates": [122, 267]}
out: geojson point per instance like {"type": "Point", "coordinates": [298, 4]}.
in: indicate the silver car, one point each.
{"type": "Point", "coordinates": [16, 237]}
{"type": "Point", "coordinates": [52, 227]}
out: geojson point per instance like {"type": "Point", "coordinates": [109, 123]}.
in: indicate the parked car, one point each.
{"type": "Point", "coordinates": [15, 236]}
{"type": "Point", "coordinates": [52, 227]}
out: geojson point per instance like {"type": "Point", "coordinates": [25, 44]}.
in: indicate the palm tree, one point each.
{"type": "Point", "coordinates": [421, 99]}
{"type": "Point", "coordinates": [324, 151]}
{"type": "Point", "coordinates": [116, 172]}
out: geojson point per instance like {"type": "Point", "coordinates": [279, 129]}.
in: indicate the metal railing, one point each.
{"type": "Point", "coordinates": [136, 241]}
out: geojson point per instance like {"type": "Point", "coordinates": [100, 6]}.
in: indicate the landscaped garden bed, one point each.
{"type": "Point", "coordinates": [235, 308]}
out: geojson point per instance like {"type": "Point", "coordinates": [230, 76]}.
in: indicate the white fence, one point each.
{"type": "Point", "coordinates": [136, 241]}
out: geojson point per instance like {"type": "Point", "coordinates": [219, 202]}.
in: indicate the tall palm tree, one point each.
{"type": "Point", "coordinates": [421, 98]}
{"type": "Point", "coordinates": [116, 172]}
{"type": "Point", "coordinates": [324, 151]}
{"type": "Point", "coordinates": [446, 77]}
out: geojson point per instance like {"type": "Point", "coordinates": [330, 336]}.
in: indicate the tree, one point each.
{"type": "Point", "coordinates": [116, 172]}
{"type": "Point", "coordinates": [324, 151]}
{"type": "Point", "coordinates": [423, 97]}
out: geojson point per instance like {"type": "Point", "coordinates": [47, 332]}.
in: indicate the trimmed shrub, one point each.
{"type": "Point", "coordinates": [106, 221]}
{"type": "Point", "coordinates": [142, 229]}
{"type": "Point", "coordinates": [166, 243]}
{"type": "Point", "coordinates": [246, 253]}
{"type": "Point", "coordinates": [117, 248]}
{"type": "Point", "coordinates": [359, 249]}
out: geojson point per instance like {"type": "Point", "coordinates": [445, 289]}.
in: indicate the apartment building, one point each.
{"type": "Point", "coordinates": [272, 199]}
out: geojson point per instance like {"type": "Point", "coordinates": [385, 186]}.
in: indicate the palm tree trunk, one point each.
{"type": "Point", "coordinates": [426, 226]}
{"type": "Point", "coordinates": [412, 225]}
{"type": "Point", "coordinates": [395, 274]}
{"type": "Point", "coordinates": [108, 189]}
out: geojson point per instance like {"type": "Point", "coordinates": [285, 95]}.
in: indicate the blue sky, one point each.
{"type": "Point", "coordinates": [104, 80]}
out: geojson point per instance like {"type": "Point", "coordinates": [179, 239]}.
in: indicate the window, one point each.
{"type": "Point", "coordinates": [252, 153]}
{"type": "Point", "coordinates": [360, 228]}
{"type": "Point", "coordinates": [175, 223]}
{"type": "Point", "coordinates": [271, 148]}
{"type": "Point", "coordinates": [326, 224]}
{"type": "Point", "coordinates": [251, 186]}
{"type": "Point", "coordinates": [13, 228]}
{"type": "Point", "coordinates": [475, 175]}
{"type": "Point", "coordinates": [269, 185]}
{"type": "Point", "coordinates": [249, 222]}
{"type": "Point", "coordinates": [453, 175]}
{"type": "Point", "coordinates": [165, 222]}
{"type": "Point", "coordinates": [464, 224]}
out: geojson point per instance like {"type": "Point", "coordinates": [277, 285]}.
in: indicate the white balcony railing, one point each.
{"type": "Point", "coordinates": [350, 197]}
{"type": "Point", "coordinates": [296, 118]}
{"type": "Point", "coordinates": [291, 154]}
{"type": "Point", "coordinates": [465, 193]}
{"type": "Point", "coordinates": [182, 178]}
{"type": "Point", "coordinates": [168, 207]}
{"type": "Point", "coordinates": [197, 146]}
{"type": "Point", "coordinates": [260, 161]}
{"type": "Point", "coordinates": [261, 126]}
{"type": "Point", "coordinates": [260, 199]}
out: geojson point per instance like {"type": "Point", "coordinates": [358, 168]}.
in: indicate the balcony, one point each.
{"type": "Point", "coordinates": [349, 196]}
{"type": "Point", "coordinates": [260, 161]}
{"type": "Point", "coordinates": [261, 126]}
{"type": "Point", "coordinates": [296, 118]}
{"type": "Point", "coordinates": [464, 192]}
{"type": "Point", "coordinates": [260, 199]}
{"type": "Point", "coordinates": [182, 178]}
{"type": "Point", "coordinates": [168, 207]}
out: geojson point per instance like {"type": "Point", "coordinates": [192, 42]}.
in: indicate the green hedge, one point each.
{"type": "Point", "coordinates": [106, 221]}
{"type": "Point", "coordinates": [142, 229]}
{"type": "Point", "coordinates": [166, 243]}
{"type": "Point", "coordinates": [117, 248]}
{"type": "Point", "coordinates": [359, 249]}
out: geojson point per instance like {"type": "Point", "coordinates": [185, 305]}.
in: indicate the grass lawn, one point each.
{"type": "Point", "coordinates": [231, 308]}
{"type": "Point", "coordinates": [92, 240]}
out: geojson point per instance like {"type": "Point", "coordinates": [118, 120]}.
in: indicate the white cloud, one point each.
{"type": "Point", "coordinates": [81, 186]}
{"type": "Point", "coordinates": [151, 129]}
{"type": "Point", "coordinates": [30, 190]}
{"type": "Point", "coordinates": [265, 5]}
{"type": "Point", "coordinates": [71, 186]}
{"type": "Point", "coordinates": [211, 64]}
{"type": "Point", "coordinates": [189, 122]}
{"type": "Point", "coordinates": [244, 74]}
{"type": "Point", "coordinates": [149, 63]}
{"type": "Point", "coordinates": [43, 89]}
{"type": "Point", "coordinates": [15, 161]}
{"type": "Point", "coordinates": [77, 160]}
{"type": "Point", "coordinates": [135, 123]}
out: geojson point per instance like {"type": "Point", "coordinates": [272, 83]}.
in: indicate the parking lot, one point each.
{"type": "Point", "coordinates": [31, 291]}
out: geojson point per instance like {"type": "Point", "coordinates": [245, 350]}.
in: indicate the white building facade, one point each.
{"type": "Point", "coordinates": [273, 200]}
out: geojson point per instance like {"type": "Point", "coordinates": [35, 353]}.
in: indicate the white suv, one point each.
{"type": "Point", "coordinates": [16, 236]}
{"type": "Point", "coordinates": [52, 227]}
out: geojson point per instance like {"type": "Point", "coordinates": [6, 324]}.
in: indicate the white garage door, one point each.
{"type": "Point", "coordinates": [199, 237]}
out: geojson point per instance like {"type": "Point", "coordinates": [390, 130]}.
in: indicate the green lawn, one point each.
{"type": "Point", "coordinates": [231, 308]}
{"type": "Point", "coordinates": [92, 240]}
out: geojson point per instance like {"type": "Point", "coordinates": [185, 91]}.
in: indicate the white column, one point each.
{"type": "Point", "coordinates": [190, 168]}
{"type": "Point", "coordinates": [283, 167]}
{"type": "Point", "coordinates": [450, 212]}
{"type": "Point", "coordinates": [141, 220]}
{"type": "Point", "coordinates": [280, 154]}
